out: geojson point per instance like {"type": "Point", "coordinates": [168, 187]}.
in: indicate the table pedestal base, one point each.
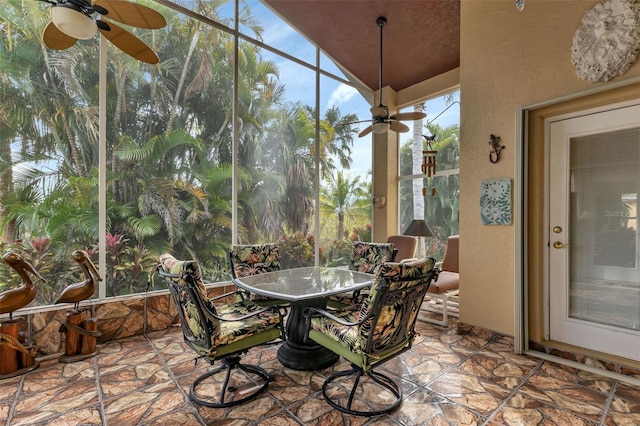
{"type": "Point", "coordinates": [305, 357]}
{"type": "Point", "coordinates": [295, 352]}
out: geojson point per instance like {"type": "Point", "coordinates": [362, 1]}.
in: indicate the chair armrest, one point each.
{"type": "Point", "coordinates": [309, 313]}
{"type": "Point", "coordinates": [231, 293]}
{"type": "Point", "coordinates": [325, 313]}
{"type": "Point", "coordinates": [274, 309]}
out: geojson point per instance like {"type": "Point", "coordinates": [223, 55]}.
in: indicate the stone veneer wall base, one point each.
{"type": "Point", "coordinates": [117, 318]}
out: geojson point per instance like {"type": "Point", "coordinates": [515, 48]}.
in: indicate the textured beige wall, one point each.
{"type": "Point", "coordinates": [509, 59]}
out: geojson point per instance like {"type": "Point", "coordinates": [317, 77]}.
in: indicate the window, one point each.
{"type": "Point", "coordinates": [433, 198]}
{"type": "Point", "coordinates": [187, 169]}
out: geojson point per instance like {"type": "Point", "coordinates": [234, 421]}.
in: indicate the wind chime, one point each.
{"type": "Point", "coordinates": [429, 162]}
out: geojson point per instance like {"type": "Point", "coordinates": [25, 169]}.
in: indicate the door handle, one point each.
{"type": "Point", "coordinates": [559, 245]}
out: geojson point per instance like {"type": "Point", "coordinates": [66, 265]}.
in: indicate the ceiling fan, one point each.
{"type": "Point", "coordinates": [381, 121]}
{"type": "Point", "coordinates": [71, 20]}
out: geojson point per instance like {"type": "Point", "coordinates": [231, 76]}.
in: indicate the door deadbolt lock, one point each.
{"type": "Point", "coordinates": [557, 229]}
{"type": "Point", "coordinates": [559, 244]}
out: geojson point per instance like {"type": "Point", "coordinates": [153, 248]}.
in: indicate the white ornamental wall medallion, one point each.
{"type": "Point", "coordinates": [607, 43]}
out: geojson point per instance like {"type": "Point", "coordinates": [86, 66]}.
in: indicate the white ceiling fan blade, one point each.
{"type": "Point", "coordinates": [399, 127]}
{"type": "Point", "coordinates": [408, 116]}
{"type": "Point", "coordinates": [365, 132]}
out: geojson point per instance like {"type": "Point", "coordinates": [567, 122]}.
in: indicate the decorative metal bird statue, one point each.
{"type": "Point", "coordinates": [77, 292]}
{"type": "Point", "coordinates": [20, 297]}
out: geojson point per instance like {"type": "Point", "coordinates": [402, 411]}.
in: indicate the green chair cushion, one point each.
{"type": "Point", "coordinates": [231, 331]}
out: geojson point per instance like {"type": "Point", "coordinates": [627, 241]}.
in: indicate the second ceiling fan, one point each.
{"type": "Point", "coordinates": [381, 121]}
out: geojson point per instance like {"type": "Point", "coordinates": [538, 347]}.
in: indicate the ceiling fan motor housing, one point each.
{"type": "Point", "coordinates": [73, 19]}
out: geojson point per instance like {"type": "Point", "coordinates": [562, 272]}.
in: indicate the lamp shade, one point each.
{"type": "Point", "coordinates": [73, 22]}
{"type": "Point", "coordinates": [380, 127]}
{"type": "Point", "coordinates": [418, 228]}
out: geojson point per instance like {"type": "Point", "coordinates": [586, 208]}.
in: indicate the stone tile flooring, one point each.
{"type": "Point", "coordinates": [448, 378]}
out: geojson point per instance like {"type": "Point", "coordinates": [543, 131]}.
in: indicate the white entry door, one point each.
{"type": "Point", "coordinates": [593, 260]}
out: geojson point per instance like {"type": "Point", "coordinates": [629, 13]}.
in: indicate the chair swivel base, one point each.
{"type": "Point", "coordinates": [379, 378]}
{"type": "Point", "coordinates": [227, 393]}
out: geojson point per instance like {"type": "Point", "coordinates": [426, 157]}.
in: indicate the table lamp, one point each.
{"type": "Point", "coordinates": [419, 228]}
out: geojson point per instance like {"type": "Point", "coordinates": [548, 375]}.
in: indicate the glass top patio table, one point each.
{"type": "Point", "coordinates": [305, 283]}
{"type": "Point", "coordinates": [304, 287]}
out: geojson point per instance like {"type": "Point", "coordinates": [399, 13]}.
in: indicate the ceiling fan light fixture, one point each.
{"type": "Point", "coordinates": [381, 127]}
{"type": "Point", "coordinates": [73, 22]}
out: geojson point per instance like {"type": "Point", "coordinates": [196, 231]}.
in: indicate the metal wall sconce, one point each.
{"type": "Point", "coordinates": [494, 154]}
{"type": "Point", "coordinates": [379, 202]}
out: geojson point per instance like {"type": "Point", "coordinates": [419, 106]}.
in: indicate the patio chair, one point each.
{"type": "Point", "coordinates": [222, 333]}
{"type": "Point", "coordinates": [443, 294]}
{"type": "Point", "coordinates": [380, 330]}
{"type": "Point", "coordinates": [405, 244]}
{"type": "Point", "coordinates": [252, 259]}
{"type": "Point", "coordinates": [366, 257]}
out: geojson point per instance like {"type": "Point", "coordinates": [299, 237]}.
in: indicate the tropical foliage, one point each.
{"type": "Point", "coordinates": [174, 153]}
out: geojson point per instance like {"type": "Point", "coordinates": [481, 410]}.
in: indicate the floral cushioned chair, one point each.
{"type": "Point", "coordinates": [366, 257]}
{"type": "Point", "coordinates": [247, 260]}
{"type": "Point", "coordinates": [380, 330]}
{"type": "Point", "coordinates": [220, 332]}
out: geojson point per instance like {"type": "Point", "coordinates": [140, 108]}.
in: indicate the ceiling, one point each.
{"type": "Point", "coordinates": [420, 40]}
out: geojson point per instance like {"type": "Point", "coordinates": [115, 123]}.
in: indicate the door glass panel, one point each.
{"type": "Point", "coordinates": [604, 177]}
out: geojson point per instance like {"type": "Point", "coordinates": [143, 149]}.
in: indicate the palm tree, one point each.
{"type": "Point", "coordinates": [340, 196]}
{"type": "Point", "coordinates": [336, 139]}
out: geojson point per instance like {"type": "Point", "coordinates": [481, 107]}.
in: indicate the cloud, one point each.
{"type": "Point", "coordinates": [341, 95]}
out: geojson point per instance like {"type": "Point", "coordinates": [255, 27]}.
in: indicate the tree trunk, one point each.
{"type": "Point", "coordinates": [417, 147]}
{"type": "Point", "coordinates": [6, 186]}
{"type": "Point", "coordinates": [183, 76]}
{"type": "Point", "coordinates": [75, 153]}
{"type": "Point", "coordinates": [115, 163]}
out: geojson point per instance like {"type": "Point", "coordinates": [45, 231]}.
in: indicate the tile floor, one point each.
{"type": "Point", "coordinates": [448, 378]}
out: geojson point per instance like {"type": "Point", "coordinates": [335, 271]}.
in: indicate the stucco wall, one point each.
{"type": "Point", "coordinates": [509, 59]}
